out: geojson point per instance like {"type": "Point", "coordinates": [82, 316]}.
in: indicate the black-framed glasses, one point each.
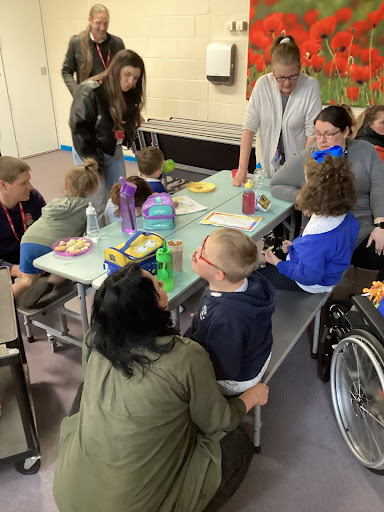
{"type": "Point", "coordinates": [327, 135]}
{"type": "Point", "coordinates": [282, 79]}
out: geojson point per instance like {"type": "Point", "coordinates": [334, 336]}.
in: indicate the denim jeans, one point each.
{"type": "Point", "coordinates": [114, 167]}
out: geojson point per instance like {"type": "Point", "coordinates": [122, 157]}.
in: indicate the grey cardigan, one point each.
{"type": "Point", "coordinates": [368, 169]}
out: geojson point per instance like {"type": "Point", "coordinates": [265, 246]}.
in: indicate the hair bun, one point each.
{"type": "Point", "coordinates": [90, 164]}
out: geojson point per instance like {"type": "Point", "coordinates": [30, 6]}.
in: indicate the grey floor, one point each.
{"type": "Point", "coordinates": [304, 465]}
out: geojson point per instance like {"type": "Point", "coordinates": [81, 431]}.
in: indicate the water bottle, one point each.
{"type": "Point", "coordinates": [248, 198]}
{"type": "Point", "coordinates": [164, 259]}
{"type": "Point", "coordinates": [93, 230]}
{"type": "Point", "coordinates": [259, 172]}
{"type": "Point", "coordinates": [127, 206]}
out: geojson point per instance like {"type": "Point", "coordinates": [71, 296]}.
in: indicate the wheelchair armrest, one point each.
{"type": "Point", "coordinates": [374, 318]}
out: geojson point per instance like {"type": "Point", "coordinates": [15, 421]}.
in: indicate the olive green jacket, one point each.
{"type": "Point", "coordinates": [149, 443]}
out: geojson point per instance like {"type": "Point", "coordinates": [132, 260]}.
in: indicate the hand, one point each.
{"type": "Point", "coordinates": [15, 272]}
{"type": "Point", "coordinates": [256, 395]}
{"type": "Point", "coordinates": [377, 236]}
{"type": "Point", "coordinates": [270, 257]}
{"type": "Point", "coordinates": [285, 245]}
{"type": "Point", "coordinates": [240, 178]}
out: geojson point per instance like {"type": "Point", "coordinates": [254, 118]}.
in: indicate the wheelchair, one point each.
{"type": "Point", "coordinates": [351, 356]}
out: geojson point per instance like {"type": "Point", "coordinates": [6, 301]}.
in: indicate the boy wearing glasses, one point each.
{"type": "Point", "coordinates": [233, 322]}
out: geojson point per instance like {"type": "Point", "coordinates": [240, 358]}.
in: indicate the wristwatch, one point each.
{"type": "Point", "coordinates": [379, 225]}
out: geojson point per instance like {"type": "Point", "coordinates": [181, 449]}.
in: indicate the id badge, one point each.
{"type": "Point", "coordinates": [276, 159]}
{"type": "Point", "coordinates": [119, 134]}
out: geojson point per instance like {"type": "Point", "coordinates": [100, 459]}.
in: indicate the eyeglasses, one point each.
{"type": "Point", "coordinates": [282, 79]}
{"type": "Point", "coordinates": [201, 257]}
{"type": "Point", "coordinates": [327, 136]}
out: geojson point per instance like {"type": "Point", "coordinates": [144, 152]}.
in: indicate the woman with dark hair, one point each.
{"type": "Point", "coordinates": [281, 109]}
{"type": "Point", "coordinates": [332, 127]}
{"type": "Point", "coordinates": [105, 113]}
{"type": "Point", "coordinates": [153, 431]}
{"type": "Point", "coordinates": [370, 127]}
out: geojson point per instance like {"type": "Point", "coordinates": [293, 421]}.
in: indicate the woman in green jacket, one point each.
{"type": "Point", "coordinates": [153, 432]}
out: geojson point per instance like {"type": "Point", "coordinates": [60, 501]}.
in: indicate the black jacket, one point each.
{"type": "Point", "coordinates": [74, 58]}
{"type": "Point", "coordinates": [235, 328]}
{"type": "Point", "coordinates": [366, 133]}
{"type": "Point", "coordinates": [91, 123]}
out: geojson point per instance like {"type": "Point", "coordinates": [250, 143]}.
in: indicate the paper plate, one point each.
{"type": "Point", "coordinates": [66, 253]}
{"type": "Point", "coordinates": [201, 186]}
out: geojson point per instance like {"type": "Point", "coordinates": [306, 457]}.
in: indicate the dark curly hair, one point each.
{"type": "Point", "coordinates": [330, 187]}
{"type": "Point", "coordinates": [143, 191]}
{"type": "Point", "coordinates": [126, 320]}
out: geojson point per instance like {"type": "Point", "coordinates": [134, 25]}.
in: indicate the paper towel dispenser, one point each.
{"type": "Point", "coordinates": [220, 63]}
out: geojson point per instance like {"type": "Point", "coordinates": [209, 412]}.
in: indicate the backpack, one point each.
{"type": "Point", "coordinates": [140, 248]}
{"type": "Point", "coordinates": [158, 212]}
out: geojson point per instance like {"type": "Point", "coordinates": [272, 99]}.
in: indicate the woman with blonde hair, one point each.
{"type": "Point", "coordinates": [90, 52]}
{"type": "Point", "coordinates": [105, 113]}
{"type": "Point", "coordinates": [282, 108]}
{"type": "Point", "coordinates": [370, 127]}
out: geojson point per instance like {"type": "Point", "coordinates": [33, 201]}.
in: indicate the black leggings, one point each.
{"type": "Point", "coordinates": [365, 257]}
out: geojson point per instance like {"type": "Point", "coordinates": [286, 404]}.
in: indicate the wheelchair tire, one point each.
{"type": "Point", "coordinates": [357, 386]}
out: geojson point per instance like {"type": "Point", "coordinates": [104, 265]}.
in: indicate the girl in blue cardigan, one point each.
{"type": "Point", "coordinates": [317, 259]}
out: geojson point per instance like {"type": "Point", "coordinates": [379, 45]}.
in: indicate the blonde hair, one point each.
{"type": "Point", "coordinates": [11, 168]}
{"type": "Point", "coordinates": [86, 66]}
{"type": "Point", "coordinates": [285, 53]}
{"type": "Point", "coordinates": [367, 117]}
{"type": "Point", "coordinates": [82, 180]}
{"type": "Point", "coordinates": [236, 253]}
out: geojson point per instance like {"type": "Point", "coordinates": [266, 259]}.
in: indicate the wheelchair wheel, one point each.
{"type": "Point", "coordinates": [357, 385]}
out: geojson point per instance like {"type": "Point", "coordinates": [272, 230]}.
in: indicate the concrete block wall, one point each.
{"type": "Point", "coordinates": [172, 37]}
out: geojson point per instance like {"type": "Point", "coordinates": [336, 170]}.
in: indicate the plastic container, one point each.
{"type": "Point", "coordinates": [164, 260]}
{"type": "Point", "coordinates": [168, 166]}
{"type": "Point", "coordinates": [176, 247]}
{"type": "Point", "coordinates": [248, 199]}
{"type": "Point", "coordinates": [93, 230]}
{"type": "Point", "coordinates": [127, 206]}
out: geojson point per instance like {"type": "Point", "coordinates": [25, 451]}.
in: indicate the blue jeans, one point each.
{"type": "Point", "coordinates": [114, 167]}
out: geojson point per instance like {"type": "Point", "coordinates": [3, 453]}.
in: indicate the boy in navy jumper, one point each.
{"type": "Point", "coordinates": [233, 322]}
{"type": "Point", "coordinates": [317, 259]}
{"type": "Point", "coordinates": [150, 161]}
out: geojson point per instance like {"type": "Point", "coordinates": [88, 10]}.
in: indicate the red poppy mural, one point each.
{"type": "Point", "coordinates": [343, 50]}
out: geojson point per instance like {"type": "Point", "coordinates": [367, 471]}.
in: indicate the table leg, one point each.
{"type": "Point", "coordinates": [83, 306]}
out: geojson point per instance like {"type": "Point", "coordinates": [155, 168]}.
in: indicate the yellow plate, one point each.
{"type": "Point", "coordinates": [201, 186]}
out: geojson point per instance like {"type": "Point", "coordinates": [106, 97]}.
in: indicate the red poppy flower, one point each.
{"type": "Point", "coordinates": [305, 61]}
{"type": "Point", "coordinates": [290, 20]}
{"type": "Point", "coordinates": [360, 74]}
{"type": "Point", "coordinates": [354, 51]}
{"type": "Point", "coordinates": [359, 27]}
{"type": "Point", "coordinates": [257, 60]}
{"type": "Point", "coordinates": [267, 55]}
{"type": "Point", "coordinates": [254, 2]}
{"type": "Point", "coordinates": [332, 102]}
{"type": "Point", "coordinates": [353, 93]}
{"type": "Point", "coordinates": [310, 17]}
{"type": "Point", "coordinates": [270, 2]}
{"type": "Point", "coordinates": [331, 68]}
{"type": "Point", "coordinates": [377, 65]}
{"type": "Point", "coordinates": [299, 34]}
{"type": "Point", "coordinates": [343, 15]}
{"type": "Point", "coordinates": [273, 24]}
{"type": "Point", "coordinates": [258, 39]}
{"type": "Point", "coordinates": [252, 12]}
{"type": "Point", "coordinates": [381, 9]}
{"type": "Point", "coordinates": [323, 28]}
{"type": "Point", "coordinates": [310, 47]}
{"type": "Point", "coordinates": [341, 41]}
{"type": "Point", "coordinates": [367, 55]}
{"type": "Point", "coordinates": [317, 63]}
{"type": "Point", "coordinates": [374, 18]}
{"type": "Point", "coordinates": [374, 86]}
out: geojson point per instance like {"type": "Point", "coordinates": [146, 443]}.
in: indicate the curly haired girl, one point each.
{"type": "Point", "coordinates": [316, 260]}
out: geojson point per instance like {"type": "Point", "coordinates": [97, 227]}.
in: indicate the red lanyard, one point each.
{"type": "Point", "coordinates": [11, 223]}
{"type": "Point", "coordinates": [101, 57]}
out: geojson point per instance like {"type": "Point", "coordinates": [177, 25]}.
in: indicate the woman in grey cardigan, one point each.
{"type": "Point", "coordinates": [332, 127]}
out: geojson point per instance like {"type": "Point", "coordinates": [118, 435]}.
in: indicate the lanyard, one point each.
{"type": "Point", "coordinates": [11, 223]}
{"type": "Point", "coordinates": [101, 57]}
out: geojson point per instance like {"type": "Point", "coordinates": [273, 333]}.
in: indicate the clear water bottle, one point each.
{"type": "Point", "coordinates": [93, 230]}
